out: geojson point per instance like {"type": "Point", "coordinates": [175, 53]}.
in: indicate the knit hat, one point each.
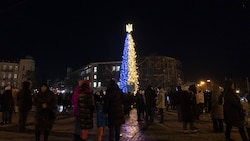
{"type": "Point", "coordinates": [85, 87]}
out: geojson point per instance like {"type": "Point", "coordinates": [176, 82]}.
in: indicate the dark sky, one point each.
{"type": "Point", "coordinates": [210, 37]}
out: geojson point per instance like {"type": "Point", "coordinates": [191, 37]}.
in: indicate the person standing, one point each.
{"type": "Point", "coordinates": [113, 107]}
{"type": "Point", "coordinates": [75, 111]}
{"type": "Point", "coordinates": [45, 113]}
{"type": "Point", "coordinates": [150, 97]}
{"type": "Point", "coordinates": [101, 118]}
{"type": "Point", "coordinates": [6, 105]}
{"type": "Point", "coordinates": [140, 105]}
{"type": "Point", "coordinates": [160, 103]}
{"type": "Point", "coordinates": [217, 109]}
{"type": "Point", "coordinates": [24, 103]}
{"type": "Point", "coordinates": [177, 96]}
{"type": "Point", "coordinates": [232, 112]}
{"type": "Point", "coordinates": [187, 109]}
{"type": "Point", "coordinates": [86, 109]}
{"type": "Point", "coordinates": [199, 102]}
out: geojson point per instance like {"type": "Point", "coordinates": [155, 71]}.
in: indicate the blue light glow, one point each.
{"type": "Point", "coordinates": [124, 66]}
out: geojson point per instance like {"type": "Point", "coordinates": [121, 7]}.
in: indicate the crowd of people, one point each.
{"type": "Point", "coordinates": [111, 107]}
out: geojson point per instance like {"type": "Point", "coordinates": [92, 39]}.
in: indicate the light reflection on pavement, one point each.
{"type": "Point", "coordinates": [131, 126]}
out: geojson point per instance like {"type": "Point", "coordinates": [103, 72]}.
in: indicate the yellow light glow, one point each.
{"type": "Point", "coordinates": [202, 83]}
{"type": "Point", "coordinates": [132, 69]}
{"type": "Point", "coordinates": [129, 28]}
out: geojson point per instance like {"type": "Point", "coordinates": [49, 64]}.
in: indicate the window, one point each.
{"type": "Point", "coordinates": [10, 67]}
{"type": "Point", "coordinates": [16, 67]}
{"type": "Point", "coordinates": [99, 84]}
{"type": "Point", "coordinates": [4, 67]}
{"type": "Point", "coordinates": [95, 69]}
{"type": "Point", "coordinates": [117, 68]}
{"type": "Point", "coordinates": [15, 76]}
{"type": "Point", "coordinates": [2, 84]}
{"type": "Point", "coordinates": [23, 67]}
{"type": "Point", "coordinates": [4, 75]}
{"type": "Point", "coordinates": [113, 68]}
{"type": "Point", "coordinates": [9, 76]}
{"type": "Point", "coordinates": [94, 84]}
{"type": "Point", "coordinates": [95, 76]}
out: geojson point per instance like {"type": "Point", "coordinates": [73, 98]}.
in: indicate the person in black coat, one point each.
{"type": "Point", "coordinates": [113, 107]}
{"type": "Point", "coordinates": [86, 108]}
{"type": "Point", "coordinates": [45, 114]}
{"type": "Point", "coordinates": [150, 98]}
{"type": "Point", "coordinates": [140, 105]}
{"type": "Point", "coordinates": [6, 104]}
{"type": "Point", "coordinates": [232, 109]}
{"type": "Point", "coordinates": [187, 109]}
{"type": "Point", "coordinates": [24, 102]}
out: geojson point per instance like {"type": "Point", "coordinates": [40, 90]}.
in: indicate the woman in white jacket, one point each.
{"type": "Point", "coordinates": [160, 103]}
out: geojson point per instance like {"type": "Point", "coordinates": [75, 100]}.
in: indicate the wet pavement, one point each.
{"type": "Point", "coordinates": [170, 130]}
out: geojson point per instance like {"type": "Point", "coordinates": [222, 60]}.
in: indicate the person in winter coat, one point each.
{"type": "Point", "coordinates": [24, 103]}
{"type": "Point", "coordinates": [177, 96]}
{"type": "Point", "coordinates": [217, 109]}
{"type": "Point", "coordinates": [75, 111]}
{"type": "Point", "coordinates": [150, 98]}
{"type": "Point", "coordinates": [160, 103]}
{"type": "Point", "coordinates": [86, 109]}
{"type": "Point", "coordinates": [101, 118]}
{"type": "Point", "coordinates": [187, 109]}
{"type": "Point", "coordinates": [113, 107]}
{"type": "Point", "coordinates": [45, 113]}
{"type": "Point", "coordinates": [232, 112]}
{"type": "Point", "coordinates": [6, 104]}
{"type": "Point", "coordinates": [140, 105]}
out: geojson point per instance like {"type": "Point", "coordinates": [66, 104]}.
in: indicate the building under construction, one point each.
{"type": "Point", "coordinates": [160, 71]}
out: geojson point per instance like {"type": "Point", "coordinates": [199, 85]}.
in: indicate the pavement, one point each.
{"type": "Point", "coordinates": [170, 130]}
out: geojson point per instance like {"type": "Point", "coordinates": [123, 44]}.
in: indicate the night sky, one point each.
{"type": "Point", "coordinates": [210, 37]}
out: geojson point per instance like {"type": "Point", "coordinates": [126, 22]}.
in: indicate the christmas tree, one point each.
{"type": "Point", "coordinates": [128, 72]}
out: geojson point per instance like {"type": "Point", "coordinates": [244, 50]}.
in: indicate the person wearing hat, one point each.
{"type": "Point", "coordinates": [86, 109]}
{"type": "Point", "coordinates": [113, 109]}
{"type": "Point", "coordinates": [45, 113]}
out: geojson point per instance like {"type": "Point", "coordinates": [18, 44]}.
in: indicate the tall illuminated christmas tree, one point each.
{"type": "Point", "coordinates": [128, 72]}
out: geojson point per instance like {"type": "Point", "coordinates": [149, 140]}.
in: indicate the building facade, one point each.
{"type": "Point", "coordinates": [160, 71]}
{"type": "Point", "coordinates": [153, 70]}
{"type": "Point", "coordinates": [13, 73]}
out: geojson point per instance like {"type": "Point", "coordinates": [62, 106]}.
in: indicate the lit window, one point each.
{"type": "Point", "coordinates": [117, 68]}
{"type": "Point", "coordinates": [95, 76]}
{"type": "Point", "coordinates": [16, 67]}
{"type": "Point", "coordinates": [99, 84]}
{"type": "Point", "coordinates": [113, 68]}
{"type": "Point", "coordinates": [15, 76]}
{"type": "Point", "coordinates": [95, 69]}
{"type": "Point", "coordinates": [87, 78]}
{"type": "Point", "coordinates": [94, 84]}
